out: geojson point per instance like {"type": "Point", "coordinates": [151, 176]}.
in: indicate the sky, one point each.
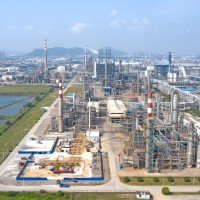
{"type": "Point", "coordinates": [158, 26]}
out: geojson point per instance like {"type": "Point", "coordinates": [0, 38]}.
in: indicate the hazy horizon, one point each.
{"type": "Point", "coordinates": [132, 25]}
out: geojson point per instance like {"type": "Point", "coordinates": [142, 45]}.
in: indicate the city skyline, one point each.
{"type": "Point", "coordinates": [156, 26]}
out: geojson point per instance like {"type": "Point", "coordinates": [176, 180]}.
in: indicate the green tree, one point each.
{"type": "Point", "coordinates": [140, 179]}
{"type": "Point", "coordinates": [127, 179]}
{"type": "Point", "coordinates": [37, 98]}
{"type": "Point", "coordinates": [155, 179]}
{"type": "Point", "coordinates": [170, 179]}
{"type": "Point", "coordinates": [187, 179]}
{"type": "Point", "coordinates": [165, 191]}
{"type": "Point", "coordinates": [29, 105]}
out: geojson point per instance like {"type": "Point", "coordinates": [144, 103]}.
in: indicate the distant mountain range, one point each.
{"type": "Point", "coordinates": [74, 52]}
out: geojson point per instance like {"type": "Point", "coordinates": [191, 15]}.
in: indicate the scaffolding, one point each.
{"type": "Point", "coordinates": [150, 146]}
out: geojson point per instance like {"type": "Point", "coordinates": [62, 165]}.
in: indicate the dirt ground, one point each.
{"type": "Point", "coordinates": [118, 146]}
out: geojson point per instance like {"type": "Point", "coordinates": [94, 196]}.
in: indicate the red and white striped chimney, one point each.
{"type": "Point", "coordinates": [149, 105]}
{"type": "Point", "coordinates": [60, 108]}
{"type": "Point", "coordinates": [60, 89]}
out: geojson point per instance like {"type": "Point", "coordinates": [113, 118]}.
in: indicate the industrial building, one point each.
{"type": "Point", "coordinates": [102, 69]}
{"type": "Point", "coordinates": [116, 110]}
{"type": "Point", "coordinates": [143, 115]}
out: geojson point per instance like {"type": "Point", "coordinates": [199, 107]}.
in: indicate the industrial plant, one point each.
{"type": "Point", "coordinates": [146, 107]}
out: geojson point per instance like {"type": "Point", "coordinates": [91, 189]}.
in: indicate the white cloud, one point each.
{"type": "Point", "coordinates": [118, 23]}
{"type": "Point", "coordinates": [113, 13]}
{"type": "Point", "coordinates": [11, 27]}
{"type": "Point", "coordinates": [141, 22]}
{"type": "Point", "coordinates": [29, 28]}
{"type": "Point", "coordinates": [79, 27]}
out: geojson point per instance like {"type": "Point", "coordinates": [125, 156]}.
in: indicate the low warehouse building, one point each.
{"type": "Point", "coordinates": [116, 110]}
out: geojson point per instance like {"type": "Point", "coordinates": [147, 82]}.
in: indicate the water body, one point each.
{"type": "Point", "coordinates": [13, 109]}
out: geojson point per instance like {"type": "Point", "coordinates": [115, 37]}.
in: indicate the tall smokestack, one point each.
{"type": "Point", "coordinates": [46, 71]}
{"type": "Point", "coordinates": [60, 108]}
{"type": "Point", "coordinates": [150, 136]}
{"type": "Point", "coordinates": [150, 105]}
{"type": "Point", "coordinates": [85, 59]}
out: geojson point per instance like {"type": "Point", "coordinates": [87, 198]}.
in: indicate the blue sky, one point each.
{"type": "Point", "coordinates": [130, 25]}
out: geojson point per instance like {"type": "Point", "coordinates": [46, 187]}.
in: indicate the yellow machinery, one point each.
{"type": "Point", "coordinates": [57, 164]}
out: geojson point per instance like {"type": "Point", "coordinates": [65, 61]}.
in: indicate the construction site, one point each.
{"type": "Point", "coordinates": [146, 122]}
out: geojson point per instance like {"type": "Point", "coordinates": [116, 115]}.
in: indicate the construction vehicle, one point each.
{"type": "Point", "coordinates": [56, 169]}
{"type": "Point", "coordinates": [21, 164]}
{"type": "Point", "coordinates": [64, 184]}
{"type": "Point", "coordinates": [63, 171]}
{"type": "Point", "coordinates": [57, 164]}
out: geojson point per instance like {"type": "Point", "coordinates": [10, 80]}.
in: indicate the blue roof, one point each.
{"type": "Point", "coordinates": [70, 94]}
{"type": "Point", "coordinates": [106, 87]}
{"type": "Point", "coordinates": [186, 88]}
{"type": "Point", "coordinates": [163, 65]}
{"type": "Point", "coordinates": [195, 76]}
{"type": "Point", "coordinates": [106, 93]}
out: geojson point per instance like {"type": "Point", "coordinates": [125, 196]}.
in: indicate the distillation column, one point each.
{"type": "Point", "coordinates": [60, 108]}
{"type": "Point", "coordinates": [174, 109]}
{"type": "Point", "coordinates": [46, 71]}
{"type": "Point", "coordinates": [190, 146]}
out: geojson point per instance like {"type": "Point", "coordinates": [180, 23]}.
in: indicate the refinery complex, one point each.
{"type": "Point", "coordinates": [133, 117]}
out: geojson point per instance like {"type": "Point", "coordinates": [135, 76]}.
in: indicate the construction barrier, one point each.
{"type": "Point", "coordinates": [35, 152]}
{"type": "Point", "coordinates": [84, 179]}
{"type": "Point", "coordinates": [22, 178]}
{"type": "Point", "coordinates": [31, 178]}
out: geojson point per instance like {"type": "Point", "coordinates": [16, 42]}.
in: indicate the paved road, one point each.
{"type": "Point", "coordinates": [113, 185]}
{"type": "Point", "coordinates": [39, 126]}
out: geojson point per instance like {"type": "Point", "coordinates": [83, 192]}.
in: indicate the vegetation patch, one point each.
{"type": "Point", "coordinates": [185, 193]}
{"type": "Point", "coordinates": [167, 181]}
{"type": "Point", "coordinates": [25, 89]}
{"type": "Point", "coordinates": [65, 196]}
{"type": "Point", "coordinates": [104, 196]}
{"type": "Point", "coordinates": [75, 89]}
{"type": "Point", "coordinates": [194, 111]}
{"type": "Point", "coordinates": [18, 125]}
{"type": "Point", "coordinates": [35, 195]}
